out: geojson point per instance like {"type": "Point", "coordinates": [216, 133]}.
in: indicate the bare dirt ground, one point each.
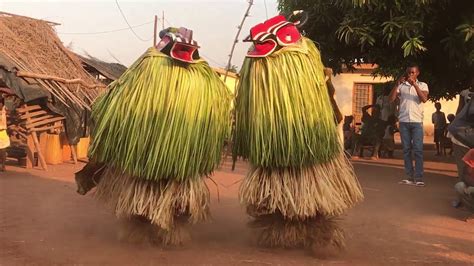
{"type": "Point", "coordinates": [43, 221]}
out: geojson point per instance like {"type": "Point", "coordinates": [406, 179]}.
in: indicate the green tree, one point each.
{"type": "Point", "coordinates": [435, 34]}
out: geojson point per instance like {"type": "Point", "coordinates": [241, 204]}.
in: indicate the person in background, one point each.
{"type": "Point", "coordinates": [451, 118]}
{"type": "Point", "coordinates": [460, 148]}
{"type": "Point", "coordinates": [348, 132]}
{"type": "Point", "coordinates": [388, 142]}
{"type": "Point", "coordinates": [387, 108]}
{"type": "Point", "coordinates": [465, 187]}
{"type": "Point", "coordinates": [465, 96]}
{"type": "Point", "coordinates": [412, 93]}
{"type": "Point", "coordinates": [4, 139]}
{"type": "Point", "coordinates": [446, 142]}
{"type": "Point", "coordinates": [372, 132]}
{"type": "Point", "coordinates": [439, 120]}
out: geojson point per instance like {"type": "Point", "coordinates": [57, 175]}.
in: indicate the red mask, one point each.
{"type": "Point", "coordinates": [271, 35]}
{"type": "Point", "coordinates": [178, 44]}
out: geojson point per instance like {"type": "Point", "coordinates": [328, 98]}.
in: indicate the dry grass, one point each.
{"type": "Point", "coordinates": [163, 202]}
{"type": "Point", "coordinates": [315, 233]}
{"type": "Point", "coordinates": [323, 189]}
{"type": "Point", "coordinates": [138, 230]}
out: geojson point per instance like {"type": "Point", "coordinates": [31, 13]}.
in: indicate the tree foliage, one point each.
{"type": "Point", "coordinates": [435, 34]}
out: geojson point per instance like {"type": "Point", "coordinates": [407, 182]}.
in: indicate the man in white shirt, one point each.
{"type": "Point", "coordinates": [412, 93]}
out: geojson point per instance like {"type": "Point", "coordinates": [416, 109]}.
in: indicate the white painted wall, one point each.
{"type": "Point", "coordinates": [344, 83]}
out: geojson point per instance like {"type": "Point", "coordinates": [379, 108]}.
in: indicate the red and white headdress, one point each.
{"type": "Point", "coordinates": [179, 44]}
{"type": "Point", "coordinates": [274, 33]}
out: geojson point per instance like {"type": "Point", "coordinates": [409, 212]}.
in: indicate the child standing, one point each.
{"type": "Point", "coordinates": [439, 120]}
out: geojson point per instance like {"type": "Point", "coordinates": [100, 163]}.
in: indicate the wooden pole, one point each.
{"type": "Point", "coordinates": [38, 151]}
{"type": "Point", "coordinates": [58, 79]}
{"type": "Point", "coordinates": [247, 12]}
{"type": "Point", "coordinates": [36, 145]}
{"type": "Point", "coordinates": [74, 153]}
{"type": "Point", "coordinates": [30, 154]}
{"type": "Point", "coordinates": [154, 31]}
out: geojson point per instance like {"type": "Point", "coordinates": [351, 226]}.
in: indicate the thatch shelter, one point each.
{"type": "Point", "coordinates": [53, 87]}
{"type": "Point", "coordinates": [103, 71]}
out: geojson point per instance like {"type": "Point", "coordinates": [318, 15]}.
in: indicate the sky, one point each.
{"type": "Point", "coordinates": [214, 24]}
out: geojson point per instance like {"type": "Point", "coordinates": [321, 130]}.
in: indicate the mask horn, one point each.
{"type": "Point", "coordinates": [247, 39]}
{"type": "Point", "coordinates": [298, 18]}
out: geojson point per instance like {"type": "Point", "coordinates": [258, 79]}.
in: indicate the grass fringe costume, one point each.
{"type": "Point", "coordinates": [300, 179]}
{"type": "Point", "coordinates": [158, 133]}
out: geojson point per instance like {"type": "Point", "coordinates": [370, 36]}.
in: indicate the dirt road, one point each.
{"type": "Point", "coordinates": [43, 222]}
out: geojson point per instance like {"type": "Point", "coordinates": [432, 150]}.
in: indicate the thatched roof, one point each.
{"type": "Point", "coordinates": [111, 71]}
{"type": "Point", "coordinates": [35, 64]}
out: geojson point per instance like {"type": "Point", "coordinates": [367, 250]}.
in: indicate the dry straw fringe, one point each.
{"type": "Point", "coordinates": [317, 232]}
{"type": "Point", "coordinates": [323, 189]}
{"type": "Point", "coordinates": [161, 202]}
{"type": "Point", "coordinates": [137, 229]}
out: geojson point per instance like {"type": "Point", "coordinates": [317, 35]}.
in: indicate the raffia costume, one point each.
{"type": "Point", "coordinates": [300, 179]}
{"type": "Point", "coordinates": [158, 133]}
